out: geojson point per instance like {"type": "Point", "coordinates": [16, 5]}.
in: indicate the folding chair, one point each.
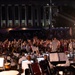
{"type": "Point", "coordinates": [45, 68]}
{"type": "Point", "coordinates": [35, 69]}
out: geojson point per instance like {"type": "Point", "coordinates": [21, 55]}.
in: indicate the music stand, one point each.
{"type": "Point", "coordinates": [54, 57]}
{"type": "Point", "coordinates": [62, 57]}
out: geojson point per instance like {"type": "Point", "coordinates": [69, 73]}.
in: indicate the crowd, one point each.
{"type": "Point", "coordinates": [16, 50]}
{"type": "Point", "coordinates": [37, 45]}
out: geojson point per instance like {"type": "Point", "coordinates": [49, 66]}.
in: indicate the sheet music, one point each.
{"type": "Point", "coordinates": [25, 64]}
{"type": "Point", "coordinates": [40, 59]}
{"type": "Point", "coordinates": [54, 57]}
{"type": "Point", "coordinates": [1, 62]}
{"type": "Point", "coordinates": [62, 56]}
{"type": "Point", "coordinates": [60, 65]}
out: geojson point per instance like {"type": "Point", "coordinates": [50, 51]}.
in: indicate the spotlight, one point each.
{"type": "Point", "coordinates": [60, 72]}
{"type": "Point", "coordinates": [24, 28]}
{"type": "Point", "coordinates": [9, 29]}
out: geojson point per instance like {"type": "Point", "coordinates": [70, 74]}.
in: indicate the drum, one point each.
{"type": "Point", "coordinates": [7, 65]}
{"type": "Point", "coordinates": [10, 72]}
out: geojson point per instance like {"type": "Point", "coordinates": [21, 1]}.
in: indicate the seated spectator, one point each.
{"type": "Point", "coordinates": [25, 65]}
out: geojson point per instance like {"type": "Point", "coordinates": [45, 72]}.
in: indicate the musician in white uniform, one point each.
{"type": "Point", "coordinates": [54, 45]}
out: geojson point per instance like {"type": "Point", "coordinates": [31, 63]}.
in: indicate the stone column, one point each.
{"type": "Point", "coordinates": [6, 16]}
{"type": "Point", "coordinates": [44, 17]}
{"type": "Point", "coordinates": [38, 15]}
{"type": "Point", "coordinates": [19, 15]}
{"type": "Point", "coordinates": [50, 14]}
{"type": "Point", "coordinates": [13, 15]}
{"type": "Point", "coordinates": [26, 16]}
{"type": "Point", "coordinates": [0, 16]}
{"type": "Point", "coordinates": [32, 16]}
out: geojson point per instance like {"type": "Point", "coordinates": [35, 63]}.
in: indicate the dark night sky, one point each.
{"type": "Point", "coordinates": [34, 1]}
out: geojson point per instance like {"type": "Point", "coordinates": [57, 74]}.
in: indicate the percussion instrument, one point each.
{"type": "Point", "coordinates": [7, 65]}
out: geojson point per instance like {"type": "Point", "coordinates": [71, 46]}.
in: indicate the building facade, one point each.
{"type": "Point", "coordinates": [25, 13]}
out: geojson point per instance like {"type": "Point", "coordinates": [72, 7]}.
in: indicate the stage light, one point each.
{"type": "Point", "coordinates": [24, 28]}
{"type": "Point", "coordinates": [47, 4]}
{"type": "Point", "coordinates": [9, 29]}
{"type": "Point", "coordinates": [60, 72]}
